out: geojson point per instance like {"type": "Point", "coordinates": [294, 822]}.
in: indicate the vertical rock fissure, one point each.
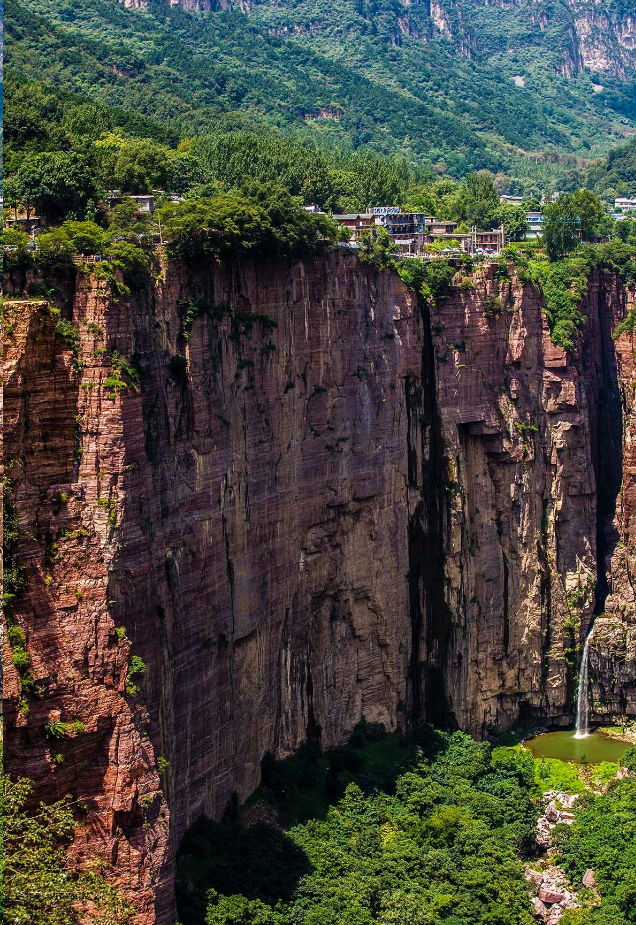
{"type": "Point", "coordinates": [609, 456]}
{"type": "Point", "coordinates": [430, 617]}
{"type": "Point", "coordinates": [229, 571]}
{"type": "Point", "coordinates": [506, 594]}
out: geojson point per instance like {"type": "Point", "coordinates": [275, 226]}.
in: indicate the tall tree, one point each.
{"type": "Point", "coordinates": [561, 227]}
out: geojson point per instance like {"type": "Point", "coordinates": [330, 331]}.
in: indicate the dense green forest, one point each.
{"type": "Point", "coordinates": [126, 151]}
{"type": "Point", "coordinates": [348, 85]}
{"type": "Point", "coordinates": [430, 824]}
{"type": "Point", "coordinates": [616, 174]}
{"type": "Point", "coordinates": [63, 152]}
{"type": "Point", "coordinates": [531, 39]}
{"type": "Point", "coordinates": [426, 828]}
{"type": "Point", "coordinates": [603, 838]}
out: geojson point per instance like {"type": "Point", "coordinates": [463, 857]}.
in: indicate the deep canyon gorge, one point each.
{"type": "Point", "coordinates": [303, 496]}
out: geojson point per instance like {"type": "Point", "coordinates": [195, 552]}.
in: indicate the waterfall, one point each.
{"type": "Point", "coordinates": [583, 700]}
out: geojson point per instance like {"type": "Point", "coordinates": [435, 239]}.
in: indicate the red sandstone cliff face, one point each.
{"type": "Point", "coordinates": [245, 520]}
{"type": "Point", "coordinates": [521, 521]}
{"type": "Point", "coordinates": [56, 440]}
{"type": "Point", "coordinates": [63, 451]}
{"type": "Point", "coordinates": [532, 441]}
{"type": "Point", "coordinates": [613, 645]}
{"type": "Point", "coordinates": [307, 502]}
{"type": "Point", "coordinates": [265, 566]}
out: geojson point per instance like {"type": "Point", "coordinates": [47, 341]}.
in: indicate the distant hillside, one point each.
{"type": "Point", "coordinates": [449, 86]}
{"type": "Point", "coordinates": [576, 56]}
{"type": "Point", "coordinates": [616, 174]}
{"type": "Point", "coordinates": [533, 41]}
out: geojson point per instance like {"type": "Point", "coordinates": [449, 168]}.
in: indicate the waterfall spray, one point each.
{"type": "Point", "coordinates": [583, 700]}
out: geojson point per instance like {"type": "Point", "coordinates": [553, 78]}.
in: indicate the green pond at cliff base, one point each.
{"type": "Point", "coordinates": [594, 748]}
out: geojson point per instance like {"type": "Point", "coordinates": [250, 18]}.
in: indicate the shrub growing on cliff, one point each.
{"type": "Point", "coordinates": [377, 248]}
{"type": "Point", "coordinates": [69, 334]}
{"type": "Point", "coordinates": [136, 666]}
{"type": "Point", "coordinates": [14, 572]}
{"type": "Point", "coordinates": [131, 259]}
{"type": "Point", "coordinates": [56, 729]}
{"type": "Point", "coordinates": [136, 669]}
{"type": "Point", "coordinates": [563, 285]}
{"type": "Point", "coordinates": [123, 375]}
{"type": "Point", "coordinates": [431, 280]}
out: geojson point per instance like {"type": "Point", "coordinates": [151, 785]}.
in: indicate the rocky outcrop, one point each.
{"type": "Point", "coordinates": [551, 892]}
{"type": "Point", "coordinates": [606, 36]}
{"type": "Point", "coordinates": [581, 34]}
{"type": "Point", "coordinates": [300, 500]}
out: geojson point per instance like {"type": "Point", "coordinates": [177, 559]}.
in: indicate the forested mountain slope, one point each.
{"type": "Point", "coordinates": [617, 172]}
{"type": "Point", "coordinates": [439, 84]}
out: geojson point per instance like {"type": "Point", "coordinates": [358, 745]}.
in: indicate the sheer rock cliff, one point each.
{"type": "Point", "coordinates": [613, 644]}
{"type": "Point", "coordinates": [532, 439]}
{"type": "Point", "coordinates": [301, 499]}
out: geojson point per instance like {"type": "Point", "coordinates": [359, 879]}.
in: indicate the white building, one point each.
{"type": "Point", "coordinates": [535, 225]}
{"type": "Point", "coordinates": [625, 204]}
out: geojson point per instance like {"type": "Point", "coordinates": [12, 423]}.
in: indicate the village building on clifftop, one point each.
{"type": "Point", "coordinates": [412, 232]}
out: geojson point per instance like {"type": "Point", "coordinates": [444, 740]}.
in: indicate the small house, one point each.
{"type": "Point", "coordinates": [356, 222]}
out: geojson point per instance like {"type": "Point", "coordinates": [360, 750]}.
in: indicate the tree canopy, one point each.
{"type": "Point", "coordinates": [40, 884]}
{"type": "Point", "coordinates": [436, 844]}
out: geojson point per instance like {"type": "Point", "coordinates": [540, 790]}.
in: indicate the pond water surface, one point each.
{"type": "Point", "coordinates": [593, 748]}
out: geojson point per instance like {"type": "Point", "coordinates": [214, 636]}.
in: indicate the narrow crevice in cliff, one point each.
{"type": "Point", "coordinates": [229, 571]}
{"type": "Point", "coordinates": [609, 455]}
{"type": "Point", "coordinates": [430, 617]}
{"type": "Point", "coordinates": [506, 609]}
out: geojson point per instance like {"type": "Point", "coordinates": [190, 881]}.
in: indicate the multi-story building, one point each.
{"type": "Point", "coordinates": [356, 222]}
{"type": "Point", "coordinates": [625, 204]}
{"type": "Point", "coordinates": [412, 231]}
{"type": "Point", "coordinates": [535, 225]}
{"type": "Point", "coordinates": [406, 229]}
{"type": "Point", "coordinates": [489, 242]}
{"type": "Point", "coordinates": [398, 223]}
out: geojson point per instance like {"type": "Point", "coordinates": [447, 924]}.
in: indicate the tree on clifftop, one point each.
{"type": "Point", "coordinates": [57, 185]}
{"type": "Point", "coordinates": [561, 227]}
